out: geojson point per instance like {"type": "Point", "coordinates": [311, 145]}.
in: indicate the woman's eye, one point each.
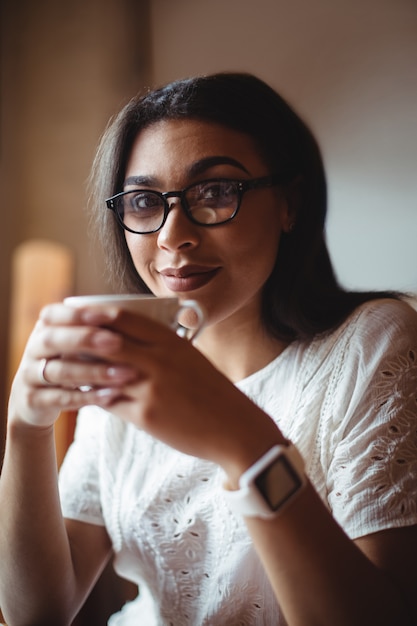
{"type": "Point", "coordinates": [218, 191]}
{"type": "Point", "coordinates": [213, 191]}
{"type": "Point", "coordinates": [144, 201]}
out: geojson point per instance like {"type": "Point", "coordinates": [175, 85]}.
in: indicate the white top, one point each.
{"type": "Point", "coordinates": [347, 400]}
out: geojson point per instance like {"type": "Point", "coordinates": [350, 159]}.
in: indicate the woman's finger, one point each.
{"type": "Point", "coordinates": [45, 403]}
{"type": "Point", "coordinates": [63, 315]}
{"type": "Point", "coordinates": [52, 341]}
{"type": "Point", "coordinates": [60, 372]}
{"type": "Point", "coordinates": [134, 325]}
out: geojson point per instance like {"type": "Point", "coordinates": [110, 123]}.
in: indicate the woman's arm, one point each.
{"type": "Point", "coordinates": [47, 566]}
{"type": "Point", "coordinates": [308, 556]}
{"type": "Point", "coordinates": [46, 571]}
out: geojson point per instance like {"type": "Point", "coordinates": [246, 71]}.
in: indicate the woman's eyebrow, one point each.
{"type": "Point", "coordinates": [197, 168]}
{"type": "Point", "coordinates": [140, 181]}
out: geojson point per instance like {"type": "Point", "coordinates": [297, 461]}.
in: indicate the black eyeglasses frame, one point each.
{"type": "Point", "coordinates": [242, 186]}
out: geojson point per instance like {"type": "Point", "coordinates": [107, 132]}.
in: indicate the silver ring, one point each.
{"type": "Point", "coordinates": [41, 372]}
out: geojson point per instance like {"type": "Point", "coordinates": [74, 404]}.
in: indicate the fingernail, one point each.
{"type": "Point", "coordinates": [106, 397]}
{"type": "Point", "coordinates": [105, 339]}
{"type": "Point", "coordinates": [91, 316]}
{"type": "Point", "coordinates": [120, 373]}
{"type": "Point", "coordinates": [106, 392]}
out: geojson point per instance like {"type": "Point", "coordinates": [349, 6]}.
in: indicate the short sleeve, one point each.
{"type": "Point", "coordinates": [372, 476]}
{"type": "Point", "coordinates": [79, 481]}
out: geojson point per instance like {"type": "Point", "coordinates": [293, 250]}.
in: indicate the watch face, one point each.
{"type": "Point", "coordinates": [278, 483]}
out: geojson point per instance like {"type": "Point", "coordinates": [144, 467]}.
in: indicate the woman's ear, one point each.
{"type": "Point", "coordinates": [292, 195]}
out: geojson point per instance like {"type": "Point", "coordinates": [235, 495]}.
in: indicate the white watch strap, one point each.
{"type": "Point", "coordinates": [249, 501]}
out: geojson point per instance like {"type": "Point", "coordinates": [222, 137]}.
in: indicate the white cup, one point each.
{"type": "Point", "coordinates": [165, 310]}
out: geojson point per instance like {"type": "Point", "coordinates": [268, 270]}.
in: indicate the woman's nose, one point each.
{"type": "Point", "coordinates": [178, 231]}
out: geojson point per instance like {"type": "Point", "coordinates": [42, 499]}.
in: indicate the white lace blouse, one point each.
{"type": "Point", "coordinates": [348, 400]}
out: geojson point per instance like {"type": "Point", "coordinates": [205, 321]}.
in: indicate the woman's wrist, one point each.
{"type": "Point", "coordinates": [248, 457]}
{"type": "Point", "coordinates": [19, 427]}
{"type": "Point", "coordinates": [250, 449]}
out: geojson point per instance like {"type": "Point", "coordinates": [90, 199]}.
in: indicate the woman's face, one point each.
{"type": "Point", "coordinates": [223, 267]}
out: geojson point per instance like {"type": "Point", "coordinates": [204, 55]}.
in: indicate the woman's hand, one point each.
{"type": "Point", "coordinates": [144, 373]}
{"type": "Point", "coordinates": [63, 367]}
{"type": "Point", "coordinates": [179, 397]}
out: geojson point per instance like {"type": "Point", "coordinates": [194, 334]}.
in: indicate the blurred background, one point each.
{"type": "Point", "coordinates": [349, 67]}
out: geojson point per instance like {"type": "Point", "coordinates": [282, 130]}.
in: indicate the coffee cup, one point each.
{"type": "Point", "coordinates": [166, 310]}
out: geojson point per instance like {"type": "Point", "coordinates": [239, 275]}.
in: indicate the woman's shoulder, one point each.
{"type": "Point", "coordinates": [376, 327]}
{"type": "Point", "coordinates": [377, 331]}
{"type": "Point", "coordinates": [389, 316]}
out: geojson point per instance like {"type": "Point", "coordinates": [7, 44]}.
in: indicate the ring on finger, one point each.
{"type": "Point", "coordinates": [41, 373]}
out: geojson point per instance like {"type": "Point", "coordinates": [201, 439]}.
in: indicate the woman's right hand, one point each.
{"type": "Point", "coordinates": [49, 375]}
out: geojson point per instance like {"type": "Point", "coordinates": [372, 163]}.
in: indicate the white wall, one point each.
{"type": "Point", "coordinates": [350, 68]}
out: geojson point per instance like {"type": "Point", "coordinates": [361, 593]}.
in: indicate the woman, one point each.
{"type": "Point", "coordinates": [302, 391]}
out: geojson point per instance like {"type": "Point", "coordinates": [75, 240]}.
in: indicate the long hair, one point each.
{"type": "Point", "coordinates": [302, 297]}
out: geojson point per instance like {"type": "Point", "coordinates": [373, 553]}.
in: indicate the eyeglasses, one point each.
{"type": "Point", "coordinates": [208, 203]}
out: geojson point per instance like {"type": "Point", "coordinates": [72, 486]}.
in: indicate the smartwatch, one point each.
{"type": "Point", "coordinates": [269, 484]}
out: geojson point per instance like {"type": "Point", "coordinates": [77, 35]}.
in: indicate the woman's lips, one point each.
{"type": "Point", "coordinates": [187, 278]}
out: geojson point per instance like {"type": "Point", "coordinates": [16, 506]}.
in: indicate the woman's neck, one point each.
{"type": "Point", "coordinates": [239, 351]}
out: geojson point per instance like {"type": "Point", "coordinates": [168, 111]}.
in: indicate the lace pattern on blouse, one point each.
{"type": "Point", "coordinates": [387, 461]}
{"type": "Point", "coordinates": [396, 392]}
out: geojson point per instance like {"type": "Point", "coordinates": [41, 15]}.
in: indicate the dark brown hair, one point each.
{"type": "Point", "coordinates": [302, 296]}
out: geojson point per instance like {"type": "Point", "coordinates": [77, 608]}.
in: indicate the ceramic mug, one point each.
{"type": "Point", "coordinates": [166, 310]}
